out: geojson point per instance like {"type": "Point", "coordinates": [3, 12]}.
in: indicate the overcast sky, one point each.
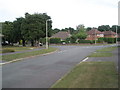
{"type": "Point", "coordinates": [64, 13]}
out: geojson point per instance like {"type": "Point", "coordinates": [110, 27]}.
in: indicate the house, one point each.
{"type": "Point", "coordinates": [94, 34]}
{"type": "Point", "coordinates": [118, 35]}
{"type": "Point", "coordinates": [110, 34]}
{"type": "Point", "coordinates": [62, 34]}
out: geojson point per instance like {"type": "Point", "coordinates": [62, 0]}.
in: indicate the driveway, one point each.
{"type": "Point", "coordinates": [44, 71]}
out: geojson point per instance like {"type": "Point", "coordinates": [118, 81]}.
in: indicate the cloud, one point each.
{"type": "Point", "coordinates": [64, 13]}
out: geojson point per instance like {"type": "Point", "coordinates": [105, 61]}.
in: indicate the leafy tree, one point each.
{"type": "Point", "coordinates": [104, 28]}
{"type": "Point", "coordinates": [8, 32]}
{"type": "Point", "coordinates": [17, 30]}
{"type": "Point", "coordinates": [70, 29]}
{"type": "Point", "coordinates": [80, 26]}
{"type": "Point", "coordinates": [34, 27]}
{"type": "Point", "coordinates": [56, 30]}
{"type": "Point", "coordinates": [81, 34]}
{"type": "Point", "coordinates": [73, 38]}
{"type": "Point", "coordinates": [88, 28]}
{"type": "Point", "coordinates": [113, 28]}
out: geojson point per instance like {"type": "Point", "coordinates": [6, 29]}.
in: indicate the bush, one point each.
{"type": "Point", "coordinates": [73, 39]}
{"type": "Point", "coordinates": [100, 40]}
{"type": "Point", "coordinates": [118, 39]}
{"type": "Point", "coordinates": [55, 40]}
{"type": "Point", "coordinates": [67, 40]}
{"type": "Point", "coordinates": [85, 41]}
{"type": "Point", "coordinates": [8, 50]}
{"type": "Point", "coordinates": [109, 40]}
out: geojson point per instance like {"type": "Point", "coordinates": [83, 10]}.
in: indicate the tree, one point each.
{"type": "Point", "coordinates": [34, 27]}
{"type": "Point", "coordinates": [113, 28]}
{"type": "Point", "coordinates": [73, 38]}
{"type": "Point", "coordinates": [8, 32]}
{"type": "Point", "coordinates": [80, 26]}
{"type": "Point", "coordinates": [82, 33]}
{"type": "Point", "coordinates": [56, 30]}
{"type": "Point", "coordinates": [70, 29]}
{"type": "Point", "coordinates": [88, 28]}
{"type": "Point", "coordinates": [17, 30]}
{"type": "Point", "coordinates": [104, 28]}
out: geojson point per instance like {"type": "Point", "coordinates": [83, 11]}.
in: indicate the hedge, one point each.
{"type": "Point", "coordinates": [55, 40]}
{"type": "Point", "coordinates": [86, 41]}
{"type": "Point", "coordinates": [108, 40]}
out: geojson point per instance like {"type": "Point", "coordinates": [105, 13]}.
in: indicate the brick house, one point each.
{"type": "Point", "coordinates": [62, 34]}
{"type": "Point", "coordinates": [94, 34]}
{"type": "Point", "coordinates": [110, 34]}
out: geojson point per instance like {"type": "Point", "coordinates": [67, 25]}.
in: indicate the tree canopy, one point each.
{"type": "Point", "coordinates": [31, 28]}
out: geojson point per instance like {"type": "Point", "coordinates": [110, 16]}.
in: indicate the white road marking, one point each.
{"type": "Point", "coordinates": [85, 59]}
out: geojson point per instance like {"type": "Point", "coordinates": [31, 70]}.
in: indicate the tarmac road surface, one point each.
{"type": "Point", "coordinates": [44, 71]}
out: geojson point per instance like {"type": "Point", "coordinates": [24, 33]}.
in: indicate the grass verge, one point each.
{"type": "Point", "coordinates": [104, 52]}
{"type": "Point", "coordinates": [27, 54]}
{"type": "Point", "coordinates": [90, 75]}
{"type": "Point", "coordinates": [107, 49]}
{"type": "Point", "coordinates": [16, 48]}
{"type": "Point", "coordinates": [98, 54]}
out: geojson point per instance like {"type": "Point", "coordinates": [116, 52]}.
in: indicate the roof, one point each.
{"type": "Point", "coordinates": [94, 31]}
{"type": "Point", "coordinates": [109, 33]}
{"type": "Point", "coordinates": [62, 35]}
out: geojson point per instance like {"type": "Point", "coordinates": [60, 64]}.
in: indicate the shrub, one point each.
{"type": "Point", "coordinates": [73, 39]}
{"type": "Point", "coordinates": [118, 39]}
{"type": "Point", "coordinates": [84, 41]}
{"type": "Point", "coordinates": [55, 40]}
{"type": "Point", "coordinates": [67, 40]}
{"type": "Point", "coordinates": [109, 40]}
{"type": "Point", "coordinates": [43, 40]}
{"type": "Point", "coordinates": [8, 50]}
{"type": "Point", "coordinates": [100, 40]}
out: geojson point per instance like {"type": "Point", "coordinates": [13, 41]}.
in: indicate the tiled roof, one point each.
{"type": "Point", "coordinates": [61, 34]}
{"type": "Point", "coordinates": [94, 31]}
{"type": "Point", "coordinates": [109, 33]}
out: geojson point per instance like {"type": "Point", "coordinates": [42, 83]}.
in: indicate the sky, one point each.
{"type": "Point", "coordinates": [64, 13]}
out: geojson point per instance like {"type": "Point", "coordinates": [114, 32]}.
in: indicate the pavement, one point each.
{"type": "Point", "coordinates": [44, 71]}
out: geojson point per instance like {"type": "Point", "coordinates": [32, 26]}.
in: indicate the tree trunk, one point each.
{"type": "Point", "coordinates": [23, 42]}
{"type": "Point", "coordinates": [32, 43]}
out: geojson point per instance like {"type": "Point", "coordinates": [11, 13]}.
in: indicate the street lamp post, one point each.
{"type": "Point", "coordinates": [47, 33]}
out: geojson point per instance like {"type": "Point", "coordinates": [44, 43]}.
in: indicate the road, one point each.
{"type": "Point", "coordinates": [44, 71]}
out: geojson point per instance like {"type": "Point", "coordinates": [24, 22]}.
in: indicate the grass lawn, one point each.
{"type": "Point", "coordinates": [19, 48]}
{"type": "Point", "coordinates": [99, 54]}
{"type": "Point", "coordinates": [27, 54]}
{"type": "Point", "coordinates": [90, 75]}
{"type": "Point", "coordinates": [107, 49]}
{"type": "Point", "coordinates": [104, 52]}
